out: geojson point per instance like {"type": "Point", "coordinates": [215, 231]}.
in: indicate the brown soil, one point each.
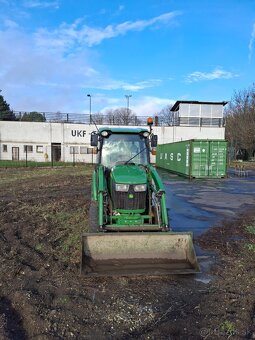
{"type": "Point", "coordinates": [42, 295]}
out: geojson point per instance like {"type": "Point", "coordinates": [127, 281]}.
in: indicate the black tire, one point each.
{"type": "Point", "coordinates": [93, 217]}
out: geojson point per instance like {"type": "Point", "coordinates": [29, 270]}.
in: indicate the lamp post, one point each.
{"type": "Point", "coordinates": [128, 96]}
{"type": "Point", "coordinates": [90, 117]}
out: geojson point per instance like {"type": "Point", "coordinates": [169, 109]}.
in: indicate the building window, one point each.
{"type": "Point", "coordinates": [28, 148]}
{"type": "Point", "coordinates": [4, 148]}
{"type": "Point", "coordinates": [39, 148]}
{"type": "Point", "coordinates": [83, 150]}
{"type": "Point", "coordinates": [74, 150]}
{"type": "Point", "coordinates": [86, 150]}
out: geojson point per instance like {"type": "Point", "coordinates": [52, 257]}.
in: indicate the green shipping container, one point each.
{"type": "Point", "coordinates": [194, 158]}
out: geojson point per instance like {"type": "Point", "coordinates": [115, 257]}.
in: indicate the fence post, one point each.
{"type": "Point", "coordinates": [51, 155]}
{"type": "Point", "coordinates": [26, 154]}
{"type": "Point", "coordinates": [73, 156]}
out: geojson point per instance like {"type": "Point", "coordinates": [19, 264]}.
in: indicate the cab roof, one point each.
{"type": "Point", "coordinates": [122, 129]}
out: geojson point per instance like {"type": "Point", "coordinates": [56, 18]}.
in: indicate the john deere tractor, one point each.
{"type": "Point", "coordinates": [128, 220]}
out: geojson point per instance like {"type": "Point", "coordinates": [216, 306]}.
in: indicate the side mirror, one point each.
{"type": "Point", "coordinates": [94, 139]}
{"type": "Point", "coordinates": [154, 141]}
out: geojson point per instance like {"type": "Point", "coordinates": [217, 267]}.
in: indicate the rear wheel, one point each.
{"type": "Point", "coordinates": [93, 218]}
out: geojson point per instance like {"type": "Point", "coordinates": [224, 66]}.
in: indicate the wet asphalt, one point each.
{"type": "Point", "coordinates": [198, 204]}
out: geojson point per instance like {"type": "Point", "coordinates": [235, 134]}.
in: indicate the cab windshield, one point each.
{"type": "Point", "coordinates": [120, 148]}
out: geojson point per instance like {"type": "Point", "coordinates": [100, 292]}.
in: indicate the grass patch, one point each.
{"type": "Point", "coordinates": [63, 300]}
{"type": "Point", "coordinates": [39, 247]}
{"type": "Point", "coordinates": [18, 175]}
{"type": "Point", "coordinates": [250, 229]}
{"type": "Point", "coordinates": [250, 247]}
{"type": "Point", "coordinates": [34, 164]}
{"type": "Point", "coordinates": [228, 328]}
{"type": "Point", "coordinates": [71, 225]}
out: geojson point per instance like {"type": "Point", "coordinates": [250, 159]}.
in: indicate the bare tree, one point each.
{"type": "Point", "coordinates": [166, 116]}
{"type": "Point", "coordinates": [240, 120]}
{"type": "Point", "coordinates": [98, 118]}
{"type": "Point", "coordinates": [110, 117]}
{"type": "Point", "coordinates": [122, 116]}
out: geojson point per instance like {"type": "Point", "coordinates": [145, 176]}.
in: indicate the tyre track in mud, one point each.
{"type": "Point", "coordinates": [42, 292]}
{"type": "Point", "coordinates": [27, 271]}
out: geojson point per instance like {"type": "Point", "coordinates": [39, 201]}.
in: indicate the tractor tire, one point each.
{"type": "Point", "coordinates": [93, 218]}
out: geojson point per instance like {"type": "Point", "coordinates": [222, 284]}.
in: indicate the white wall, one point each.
{"type": "Point", "coordinates": [42, 135]}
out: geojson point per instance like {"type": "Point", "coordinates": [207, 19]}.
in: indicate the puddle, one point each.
{"type": "Point", "coordinates": [198, 205]}
{"type": "Point", "coordinates": [205, 263]}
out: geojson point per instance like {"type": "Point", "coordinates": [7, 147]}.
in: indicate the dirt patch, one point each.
{"type": "Point", "coordinates": [42, 295]}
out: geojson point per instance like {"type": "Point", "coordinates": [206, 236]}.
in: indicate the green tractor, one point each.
{"type": "Point", "coordinates": [129, 229]}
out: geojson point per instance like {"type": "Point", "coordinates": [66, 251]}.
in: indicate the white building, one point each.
{"type": "Point", "coordinates": [46, 141]}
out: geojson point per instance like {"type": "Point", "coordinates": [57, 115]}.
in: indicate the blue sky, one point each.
{"type": "Point", "coordinates": [55, 52]}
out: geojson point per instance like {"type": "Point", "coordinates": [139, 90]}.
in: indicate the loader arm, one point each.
{"type": "Point", "coordinates": [161, 192]}
{"type": "Point", "coordinates": [99, 189]}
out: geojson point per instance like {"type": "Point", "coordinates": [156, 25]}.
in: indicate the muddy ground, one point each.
{"type": "Point", "coordinates": [42, 295]}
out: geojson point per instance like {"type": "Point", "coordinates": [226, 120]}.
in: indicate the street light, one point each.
{"type": "Point", "coordinates": [90, 117]}
{"type": "Point", "coordinates": [128, 96]}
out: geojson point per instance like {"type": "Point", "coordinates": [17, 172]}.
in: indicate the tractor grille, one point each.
{"type": "Point", "coordinates": [129, 200]}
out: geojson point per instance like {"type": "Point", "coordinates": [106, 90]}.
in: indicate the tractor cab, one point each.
{"type": "Point", "coordinates": [123, 146]}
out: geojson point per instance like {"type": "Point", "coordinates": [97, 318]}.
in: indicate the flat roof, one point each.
{"type": "Point", "coordinates": [175, 107]}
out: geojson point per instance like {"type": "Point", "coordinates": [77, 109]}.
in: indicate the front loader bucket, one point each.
{"type": "Point", "coordinates": [147, 253]}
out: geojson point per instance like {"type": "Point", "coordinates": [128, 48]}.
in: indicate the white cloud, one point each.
{"type": "Point", "coordinates": [52, 69]}
{"type": "Point", "coordinates": [149, 105]}
{"type": "Point", "coordinates": [217, 73]}
{"type": "Point", "coordinates": [10, 23]}
{"type": "Point", "coordinates": [251, 42]}
{"type": "Point", "coordinates": [70, 34]}
{"type": "Point", "coordinates": [109, 84]}
{"type": "Point", "coordinates": [142, 106]}
{"type": "Point", "coordinates": [36, 78]}
{"type": "Point", "coordinates": [41, 4]}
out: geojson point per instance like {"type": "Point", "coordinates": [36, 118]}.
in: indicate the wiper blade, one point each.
{"type": "Point", "coordinates": [135, 155]}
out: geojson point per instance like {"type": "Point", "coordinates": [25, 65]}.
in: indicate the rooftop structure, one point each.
{"type": "Point", "coordinates": [196, 113]}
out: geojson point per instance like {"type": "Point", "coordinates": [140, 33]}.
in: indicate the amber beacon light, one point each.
{"type": "Point", "coordinates": [149, 121]}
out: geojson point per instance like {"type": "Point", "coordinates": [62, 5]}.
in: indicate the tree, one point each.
{"type": "Point", "coordinates": [122, 116]}
{"type": "Point", "coordinates": [5, 112]}
{"type": "Point", "coordinates": [166, 116]}
{"type": "Point", "coordinates": [98, 118]}
{"type": "Point", "coordinates": [33, 117]}
{"type": "Point", "coordinates": [240, 120]}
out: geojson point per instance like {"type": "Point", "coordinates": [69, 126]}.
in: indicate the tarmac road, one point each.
{"type": "Point", "coordinates": [196, 205]}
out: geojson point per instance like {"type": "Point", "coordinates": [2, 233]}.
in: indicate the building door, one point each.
{"type": "Point", "coordinates": [15, 153]}
{"type": "Point", "coordinates": [55, 152]}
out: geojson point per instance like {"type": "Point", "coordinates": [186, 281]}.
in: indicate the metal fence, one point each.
{"type": "Point", "coordinates": [79, 118]}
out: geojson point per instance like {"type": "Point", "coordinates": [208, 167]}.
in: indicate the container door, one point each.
{"type": "Point", "coordinates": [200, 159]}
{"type": "Point", "coordinates": [218, 159]}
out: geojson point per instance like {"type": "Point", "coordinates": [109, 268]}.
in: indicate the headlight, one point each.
{"type": "Point", "coordinates": [105, 133]}
{"type": "Point", "coordinates": [122, 187]}
{"type": "Point", "coordinates": [146, 134]}
{"type": "Point", "coordinates": [140, 187]}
